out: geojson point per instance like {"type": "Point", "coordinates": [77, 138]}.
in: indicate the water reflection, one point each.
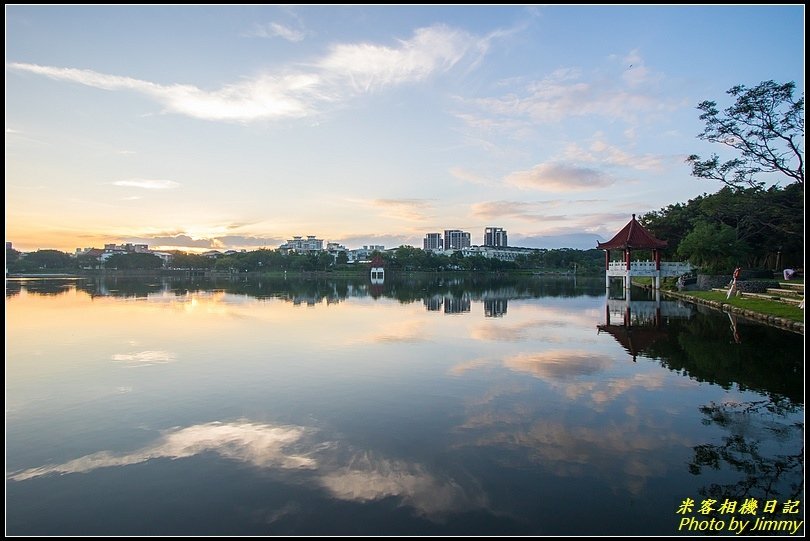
{"type": "Point", "coordinates": [346, 474]}
{"type": "Point", "coordinates": [331, 406]}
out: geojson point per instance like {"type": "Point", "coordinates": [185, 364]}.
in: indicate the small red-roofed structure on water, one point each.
{"type": "Point", "coordinates": [634, 237]}
{"type": "Point", "coordinates": [377, 270]}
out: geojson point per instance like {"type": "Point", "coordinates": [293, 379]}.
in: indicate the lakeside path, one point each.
{"type": "Point", "coordinates": [769, 319]}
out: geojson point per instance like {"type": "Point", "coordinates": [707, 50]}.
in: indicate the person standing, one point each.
{"type": "Point", "coordinates": [733, 288]}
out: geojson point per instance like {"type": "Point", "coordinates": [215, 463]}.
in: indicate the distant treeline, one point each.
{"type": "Point", "coordinates": [406, 258]}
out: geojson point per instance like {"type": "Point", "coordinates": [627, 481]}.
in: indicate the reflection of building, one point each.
{"type": "Point", "coordinates": [494, 307]}
{"type": "Point", "coordinates": [495, 236]}
{"type": "Point", "coordinates": [637, 324]}
{"type": "Point", "coordinates": [455, 239]}
{"type": "Point", "coordinates": [433, 304]}
{"type": "Point", "coordinates": [453, 305]}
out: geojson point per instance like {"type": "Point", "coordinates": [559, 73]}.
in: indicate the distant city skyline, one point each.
{"type": "Point", "coordinates": [238, 127]}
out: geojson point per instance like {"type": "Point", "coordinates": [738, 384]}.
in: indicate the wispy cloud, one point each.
{"type": "Point", "coordinates": [147, 184]}
{"type": "Point", "coordinates": [524, 210]}
{"type": "Point", "coordinates": [366, 66]}
{"type": "Point", "coordinates": [468, 176]}
{"type": "Point", "coordinates": [559, 177]}
{"type": "Point", "coordinates": [626, 95]}
{"type": "Point", "coordinates": [183, 240]}
{"type": "Point", "coordinates": [602, 153]}
{"type": "Point", "coordinates": [406, 209]}
{"type": "Point", "coordinates": [276, 30]}
{"type": "Point", "coordinates": [294, 92]}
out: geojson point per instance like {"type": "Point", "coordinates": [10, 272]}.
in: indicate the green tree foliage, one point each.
{"type": "Point", "coordinates": [44, 261]}
{"type": "Point", "coordinates": [183, 260]}
{"type": "Point", "coordinates": [139, 261]}
{"type": "Point", "coordinates": [768, 221]}
{"type": "Point", "coordinates": [714, 247]}
{"type": "Point", "coordinates": [764, 126]}
{"type": "Point", "coordinates": [12, 256]}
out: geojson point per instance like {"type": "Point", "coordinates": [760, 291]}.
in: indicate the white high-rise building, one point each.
{"type": "Point", "coordinates": [455, 239]}
{"type": "Point", "coordinates": [495, 236]}
{"type": "Point", "coordinates": [433, 241]}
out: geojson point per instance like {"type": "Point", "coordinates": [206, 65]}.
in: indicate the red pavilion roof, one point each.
{"type": "Point", "coordinates": [632, 236]}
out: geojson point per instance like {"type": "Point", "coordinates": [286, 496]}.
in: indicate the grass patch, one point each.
{"type": "Point", "coordinates": [761, 306]}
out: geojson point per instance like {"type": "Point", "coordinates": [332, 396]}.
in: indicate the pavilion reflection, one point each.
{"type": "Point", "coordinates": [636, 324]}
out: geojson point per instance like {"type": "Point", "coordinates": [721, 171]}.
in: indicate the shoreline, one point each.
{"type": "Point", "coordinates": [774, 321]}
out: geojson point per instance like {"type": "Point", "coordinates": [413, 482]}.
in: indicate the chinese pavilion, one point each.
{"type": "Point", "coordinates": [634, 237]}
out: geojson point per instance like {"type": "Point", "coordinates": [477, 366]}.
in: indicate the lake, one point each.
{"type": "Point", "coordinates": [462, 404]}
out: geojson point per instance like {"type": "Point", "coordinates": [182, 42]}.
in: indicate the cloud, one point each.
{"type": "Point", "coordinates": [274, 30]}
{"type": "Point", "coordinates": [406, 209]}
{"type": "Point", "coordinates": [637, 73]}
{"type": "Point", "coordinates": [145, 358]}
{"type": "Point", "coordinates": [367, 66]}
{"type": "Point", "coordinates": [568, 92]}
{"type": "Point", "coordinates": [558, 177]}
{"type": "Point", "coordinates": [530, 211]}
{"type": "Point", "coordinates": [147, 184]}
{"type": "Point", "coordinates": [467, 176]}
{"type": "Point", "coordinates": [294, 92]}
{"type": "Point", "coordinates": [602, 153]}
{"type": "Point", "coordinates": [367, 239]}
{"type": "Point", "coordinates": [182, 240]}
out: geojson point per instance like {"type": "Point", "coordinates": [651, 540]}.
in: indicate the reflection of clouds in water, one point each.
{"type": "Point", "coordinates": [145, 358]}
{"type": "Point", "coordinates": [361, 478]}
{"type": "Point", "coordinates": [496, 332]}
{"type": "Point", "coordinates": [467, 366]}
{"type": "Point", "coordinates": [559, 364]}
{"type": "Point", "coordinates": [577, 451]}
{"type": "Point", "coordinates": [263, 446]}
{"type": "Point", "coordinates": [368, 478]}
{"type": "Point", "coordinates": [396, 332]}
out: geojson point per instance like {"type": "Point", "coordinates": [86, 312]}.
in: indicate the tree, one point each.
{"type": "Point", "coordinates": [47, 260]}
{"type": "Point", "coordinates": [714, 247]}
{"type": "Point", "coordinates": [764, 125]}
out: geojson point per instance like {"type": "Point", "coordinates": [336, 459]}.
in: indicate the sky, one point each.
{"type": "Point", "coordinates": [239, 127]}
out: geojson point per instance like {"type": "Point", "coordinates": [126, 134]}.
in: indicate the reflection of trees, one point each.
{"type": "Point", "coordinates": [764, 451]}
{"type": "Point", "coordinates": [704, 348]}
{"type": "Point", "coordinates": [40, 287]}
{"type": "Point", "coordinates": [13, 287]}
{"type": "Point", "coordinates": [316, 288]}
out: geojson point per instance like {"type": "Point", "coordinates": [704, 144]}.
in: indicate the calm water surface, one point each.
{"type": "Point", "coordinates": [442, 406]}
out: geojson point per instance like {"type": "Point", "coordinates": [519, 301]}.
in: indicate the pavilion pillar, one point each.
{"type": "Point", "coordinates": [627, 268]}
{"type": "Point", "coordinates": [607, 269]}
{"type": "Point", "coordinates": [657, 280]}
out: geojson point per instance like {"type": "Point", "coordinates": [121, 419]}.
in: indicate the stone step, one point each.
{"type": "Point", "coordinates": [785, 292]}
{"type": "Point", "coordinates": [787, 300]}
{"type": "Point", "coordinates": [792, 285]}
